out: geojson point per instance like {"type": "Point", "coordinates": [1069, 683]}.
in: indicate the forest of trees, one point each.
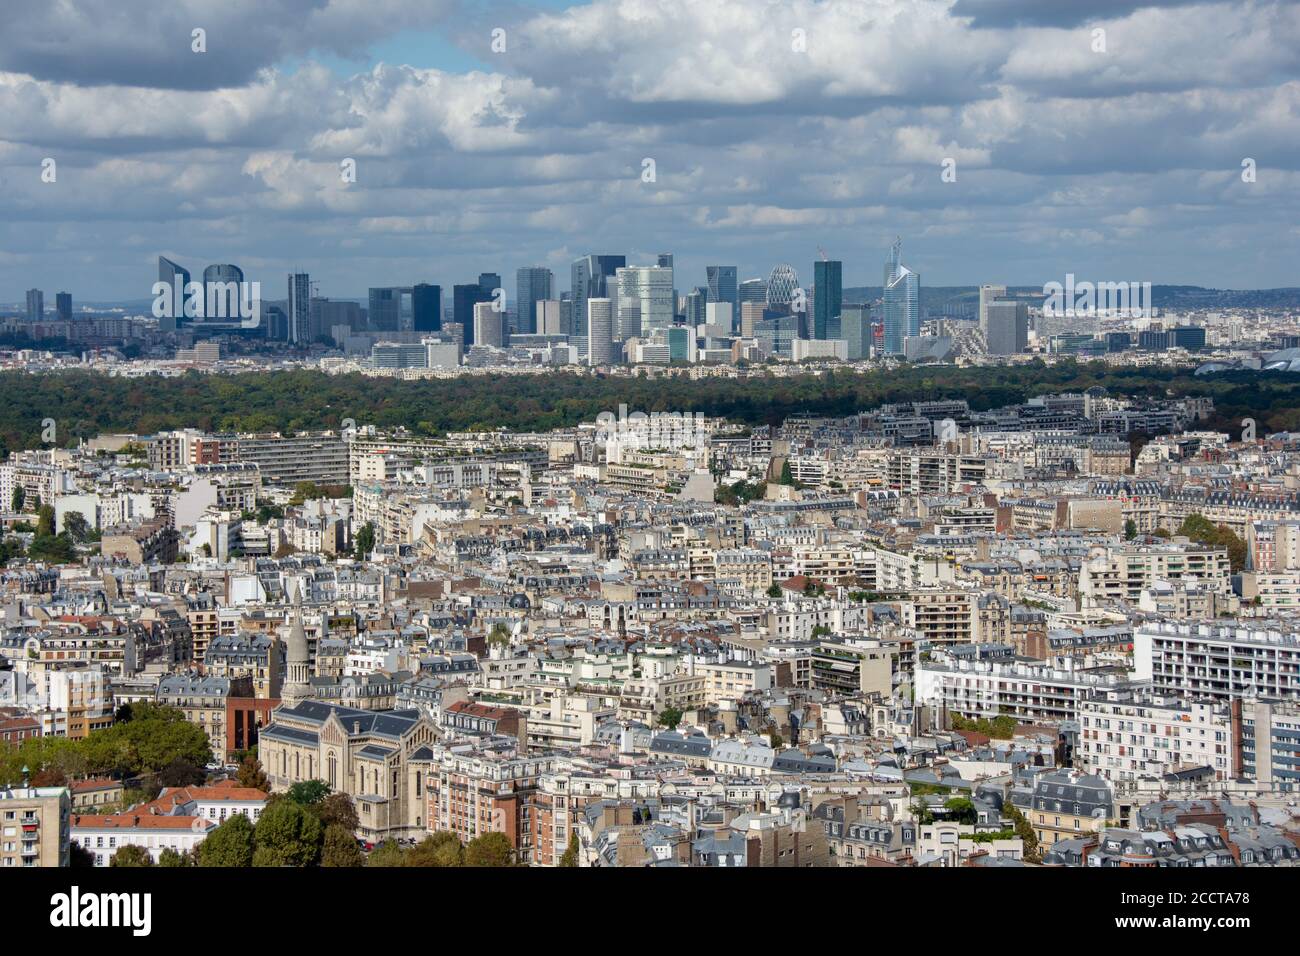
{"type": "Point", "coordinates": [84, 404]}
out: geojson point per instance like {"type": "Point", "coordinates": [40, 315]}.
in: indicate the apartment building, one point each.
{"type": "Point", "coordinates": [1123, 573]}
{"type": "Point", "coordinates": [483, 791]}
{"type": "Point", "coordinates": [1030, 692]}
{"type": "Point", "coordinates": [1267, 739]}
{"type": "Point", "coordinates": [1067, 805]}
{"type": "Point", "coordinates": [203, 700]}
{"type": "Point", "coordinates": [1126, 734]}
{"type": "Point", "coordinates": [730, 680]}
{"type": "Point", "coordinates": [285, 460]}
{"type": "Point", "coordinates": [35, 826]}
{"type": "Point", "coordinates": [1219, 661]}
{"type": "Point", "coordinates": [929, 472]}
{"type": "Point", "coordinates": [941, 616]}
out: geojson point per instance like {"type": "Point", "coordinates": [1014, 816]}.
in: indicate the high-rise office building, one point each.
{"type": "Point", "coordinates": [222, 292]}
{"type": "Point", "coordinates": [989, 293]}
{"type": "Point", "coordinates": [334, 318]}
{"type": "Point", "coordinates": [399, 355]}
{"type": "Point", "coordinates": [681, 344]}
{"type": "Point", "coordinates": [464, 298]}
{"type": "Point", "coordinates": [547, 317]}
{"type": "Point", "coordinates": [902, 301]}
{"type": "Point", "coordinates": [533, 284]}
{"type": "Point", "coordinates": [489, 325]}
{"type": "Point", "coordinates": [665, 261]}
{"type": "Point", "coordinates": [426, 307]}
{"type": "Point", "coordinates": [855, 328]}
{"type": "Point", "coordinates": [63, 305]}
{"type": "Point", "coordinates": [177, 278]}
{"type": "Point", "coordinates": [1006, 326]}
{"type": "Point", "coordinates": [390, 309]}
{"type": "Point", "coordinates": [828, 294]}
{"type": "Point", "coordinates": [566, 313]}
{"type": "Point", "coordinates": [600, 331]}
{"type": "Point", "coordinates": [696, 300]}
{"type": "Point", "coordinates": [645, 300]}
{"type": "Point", "coordinates": [590, 277]}
{"type": "Point", "coordinates": [490, 284]}
{"type": "Point", "coordinates": [752, 290]}
{"type": "Point", "coordinates": [780, 287]}
{"type": "Point", "coordinates": [35, 305]}
{"type": "Point", "coordinates": [777, 332]}
{"type": "Point", "coordinates": [751, 313]}
{"type": "Point", "coordinates": [298, 308]}
{"type": "Point", "coordinates": [722, 287]}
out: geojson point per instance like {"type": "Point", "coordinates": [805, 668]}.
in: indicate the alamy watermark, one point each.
{"type": "Point", "coordinates": [653, 430]}
{"type": "Point", "coordinates": [74, 909]}
{"type": "Point", "coordinates": [210, 300]}
{"type": "Point", "coordinates": [1120, 299]}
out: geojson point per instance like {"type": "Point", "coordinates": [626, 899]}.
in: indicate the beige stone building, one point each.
{"type": "Point", "coordinates": [365, 754]}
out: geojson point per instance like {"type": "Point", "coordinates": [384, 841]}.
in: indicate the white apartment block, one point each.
{"type": "Point", "coordinates": [1125, 736]}
{"type": "Point", "coordinates": [1221, 661]}
{"type": "Point", "coordinates": [1029, 692]}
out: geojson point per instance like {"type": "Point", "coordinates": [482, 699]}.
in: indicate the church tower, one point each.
{"type": "Point", "coordinates": [297, 687]}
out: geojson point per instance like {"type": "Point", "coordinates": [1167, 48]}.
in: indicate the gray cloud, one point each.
{"type": "Point", "coordinates": [130, 43]}
{"type": "Point", "coordinates": [1055, 13]}
{"type": "Point", "coordinates": [1125, 163]}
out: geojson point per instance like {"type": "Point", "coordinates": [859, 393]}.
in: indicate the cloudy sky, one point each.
{"type": "Point", "coordinates": [1100, 137]}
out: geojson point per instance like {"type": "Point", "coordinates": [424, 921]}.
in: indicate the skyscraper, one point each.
{"type": "Point", "coordinates": [752, 290]}
{"type": "Point", "coordinates": [489, 282]}
{"type": "Point", "coordinates": [63, 305]}
{"type": "Point", "coordinates": [989, 293]}
{"type": "Point", "coordinates": [828, 289]}
{"type": "Point", "coordinates": [645, 300]}
{"type": "Point", "coordinates": [665, 261]}
{"type": "Point", "coordinates": [464, 298]}
{"type": "Point", "coordinates": [600, 334]}
{"type": "Point", "coordinates": [589, 279]}
{"type": "Point", "coordinates": [547, 317]}
{"type": "Point", "coordinates": [391, 309]}
{"type": "Point", "coordinates": [169, 272]}
{"type": "Point", "coordinates": [855, 329]}
{"type": "Point", "coordinates": [299, 307]}
{"type": "Point", "coordinates": [35, 305]}
{"type": "Point", "coordinates": [222, 289]}
{"type": "Point", "coordinates": [902, 301]}
{"type": "Point", "coordinates": [426, 307]}
{"type": "Point", "coordinates": [780, 287]}
{"type": "Point", "coordinates": [751, 314]}
{"type": "Point", "coordinates": [489, 325]}
{"type": "Point", "coordinates": [533, 284]}
{"type": "Point", "coordinates": [696, 300]}
{"type": "Point", "coordinates": [1006, 326]}
{"type": "Point", "coordinates": [722, 287]}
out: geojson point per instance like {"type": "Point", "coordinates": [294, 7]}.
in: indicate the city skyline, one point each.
{"type": "Point", "coordinates": [1003, 144]}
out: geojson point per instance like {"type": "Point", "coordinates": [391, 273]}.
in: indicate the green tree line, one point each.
{"type": "Point", "coordinates": [85, 403]}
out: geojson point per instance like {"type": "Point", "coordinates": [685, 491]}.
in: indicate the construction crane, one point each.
{"type": "Point", "coordinates": [822, 252]}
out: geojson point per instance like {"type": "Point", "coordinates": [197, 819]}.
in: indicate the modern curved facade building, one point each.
{"type": "Point", "coordinates": [781, 285]}
{"type": "Point", "coordinates": [902, 301]}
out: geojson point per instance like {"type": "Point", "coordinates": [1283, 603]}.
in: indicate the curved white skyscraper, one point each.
{"type": "Point", "coordinates": [902, 301]}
